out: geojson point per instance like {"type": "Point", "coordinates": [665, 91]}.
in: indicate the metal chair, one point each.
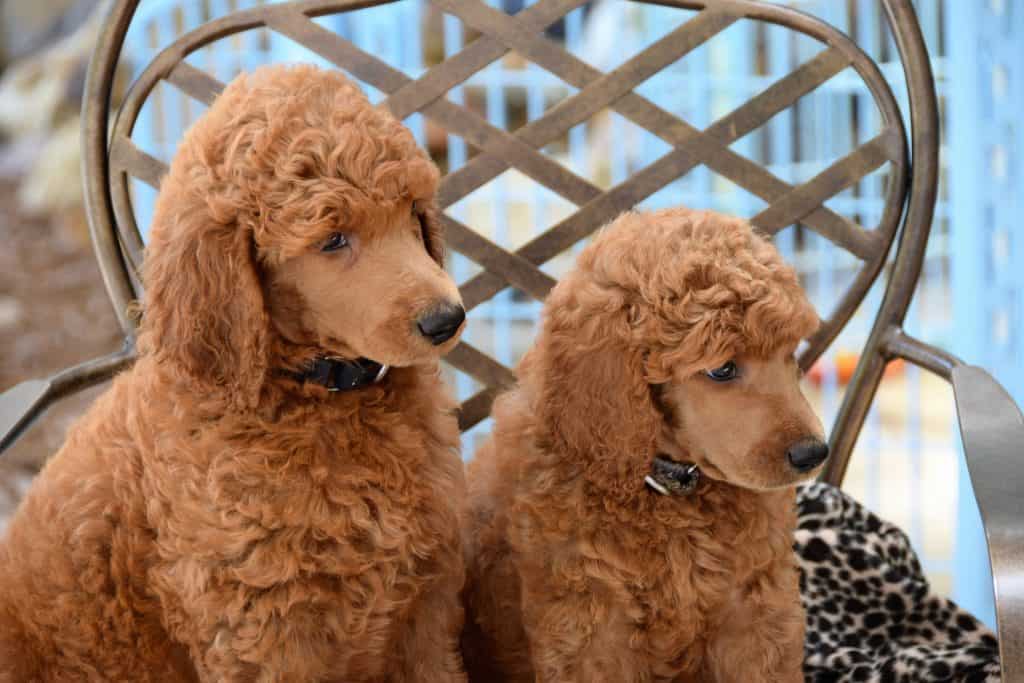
{"type": "Point", "coordinates": [991, 424]}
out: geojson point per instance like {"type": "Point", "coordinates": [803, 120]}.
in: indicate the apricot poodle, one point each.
{"type": "Point", "coordinates": [632, 518]}
{"type": "Point", "coordinates": [260, 498]}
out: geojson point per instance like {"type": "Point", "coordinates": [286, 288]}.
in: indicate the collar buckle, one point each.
{"type": "Point", "coordinates": [671, 478]}
{"type": "Point", "coordinates": [340, 374]}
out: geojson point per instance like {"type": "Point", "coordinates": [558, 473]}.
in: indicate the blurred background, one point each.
{"type": "Point", "coordinates": [54, 311]}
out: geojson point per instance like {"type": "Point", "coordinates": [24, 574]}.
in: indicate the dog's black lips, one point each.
{"type": "Point", "coordinates": [671, 477]}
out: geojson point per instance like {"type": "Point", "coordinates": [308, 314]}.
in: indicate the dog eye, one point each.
{"type": "Point", "coordinates": [421, 220]}
{"type": "Point", "coordinates": [335, 242]}
{"type": "Point", "coordinates": [725, 373]}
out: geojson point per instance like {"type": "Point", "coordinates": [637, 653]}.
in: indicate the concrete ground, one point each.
{"type": "Point", "coordinates": [54, 313]}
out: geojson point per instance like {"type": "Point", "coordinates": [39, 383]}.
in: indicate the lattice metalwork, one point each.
{"type": "Point", "coordinates": [500, 150]}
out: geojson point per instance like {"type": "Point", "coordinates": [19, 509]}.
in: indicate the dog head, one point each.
{"type": "Point", "coordinates": [675, 335]}
{"type": "Point", "coordinates": [744, 421]}
{"type": "Point", "coordinates": [297, 220]}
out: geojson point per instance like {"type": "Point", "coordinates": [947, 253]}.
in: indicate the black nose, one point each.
{"type": "Point", "coordinates": [441, 323]}
{"type": "Point", "coordinates": [806, 454]}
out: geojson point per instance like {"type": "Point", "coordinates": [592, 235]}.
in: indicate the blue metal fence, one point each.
{"type": "Point", "coordinates": [897, 467]}
{"type": "Point", "coordinates": [986, 184]}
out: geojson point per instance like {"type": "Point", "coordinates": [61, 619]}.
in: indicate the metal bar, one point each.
{"type": "Point", "coordinates": [477, 408]}
{"type": "Point", "coordinates": [23, 404]}
{"type": "Point", "coordinates": [480, 366]}
{"type": "Point", "coordinates": [515, 269]}
{"type": "Point", "coordinates": [913, 238]}
{"type": "Point", "coordinates": [924, 124]}
{"type": "Point", "coordinates": [126, 157]}
{"type": "Point", "coordinates": [898, 344]}
{"type": "Point", "coordinates": [833, 325]}
{"type": "Point", "coordinates": [95, 120]}
{"type": "Point", "coordinates": [834, 179]}
{"type": "Point", "coordinates": [993, 436]}
{"type": "Point", "coordinates": [195, 83]}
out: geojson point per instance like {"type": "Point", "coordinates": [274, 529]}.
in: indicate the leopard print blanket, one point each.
{"type": "Point", "coordinates": [870, 613]}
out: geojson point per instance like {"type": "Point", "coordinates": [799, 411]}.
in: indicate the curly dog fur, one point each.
{"type": "Point", "coordinates": [211, 517]}
{"type": "Point", "coordinates": [576, 570]}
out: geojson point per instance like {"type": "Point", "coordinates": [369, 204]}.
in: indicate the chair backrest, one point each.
{"type": "Point", "coordinates": [906, 182]}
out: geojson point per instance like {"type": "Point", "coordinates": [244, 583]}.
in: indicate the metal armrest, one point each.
{"type": "Point", "coordinates": [23, 403]}
{"type": "Point", "coordinates": [993, 436]}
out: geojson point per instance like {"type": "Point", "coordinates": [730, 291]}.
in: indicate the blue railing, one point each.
{"type": "Point", "coordinates": [986, 145]}
{"type": "Point", "coordinates": [907, 447]}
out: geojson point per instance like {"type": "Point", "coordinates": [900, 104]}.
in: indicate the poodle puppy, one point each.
{"type": "Point", "coordinates": [260, 498]}
{"type": "Point", "coordinates": [632, 517]}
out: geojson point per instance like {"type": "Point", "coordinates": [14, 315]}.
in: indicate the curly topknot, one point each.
{"type": "Point", "coordinates": [699, 287]}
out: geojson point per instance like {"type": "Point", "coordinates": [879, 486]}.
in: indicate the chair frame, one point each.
{"type": "Point", "coordinates": [991, 424]}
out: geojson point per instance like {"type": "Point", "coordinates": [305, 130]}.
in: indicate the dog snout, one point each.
{"type": "Point", "coordinates": [806, 454]}
{"type": "Point", "coordinates": [441, 323]}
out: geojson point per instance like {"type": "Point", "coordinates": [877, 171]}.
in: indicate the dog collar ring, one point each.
{"type": "Point", "coordinates": [339, 374]}
{"type": "Point", "coordinates": [670, 478]}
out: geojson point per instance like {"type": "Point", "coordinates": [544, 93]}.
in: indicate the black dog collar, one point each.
{"type": "Point", "coordinates": [338, 374]}
{"type": "Point", "coordinates": [671, 478]}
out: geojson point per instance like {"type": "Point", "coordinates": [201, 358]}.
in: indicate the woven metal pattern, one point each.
{"type": "Point", "coordinates": [500, 150]}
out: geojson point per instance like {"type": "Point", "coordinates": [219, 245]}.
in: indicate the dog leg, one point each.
{"type": "Point", "coordinates": [578, 638]}
{"type": "Point", "coordinates": [272, 640]}
{"type": "Point", "coordinates": [762, 639]}
{"type": "Point", "coordinates": [598, 660]}
{"type": "Point", "coordinates": [429, 647]}
{"type": "Point", "coordinates": [18, 660]}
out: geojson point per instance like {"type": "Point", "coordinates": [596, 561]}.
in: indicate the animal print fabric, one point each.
{"type": "Point", "coordinates": [871, 615]}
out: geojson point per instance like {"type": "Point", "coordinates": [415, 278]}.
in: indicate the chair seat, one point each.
{"type": "Point", "coordinates": [871, 615]}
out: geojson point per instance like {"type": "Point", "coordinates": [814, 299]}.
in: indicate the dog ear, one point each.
{"type": "Point", "coordinates": [596, 405]}
{"type": "Point", "coordinates": [433, 229]}
{"type": "Point", "coordinates": [204, 310]}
